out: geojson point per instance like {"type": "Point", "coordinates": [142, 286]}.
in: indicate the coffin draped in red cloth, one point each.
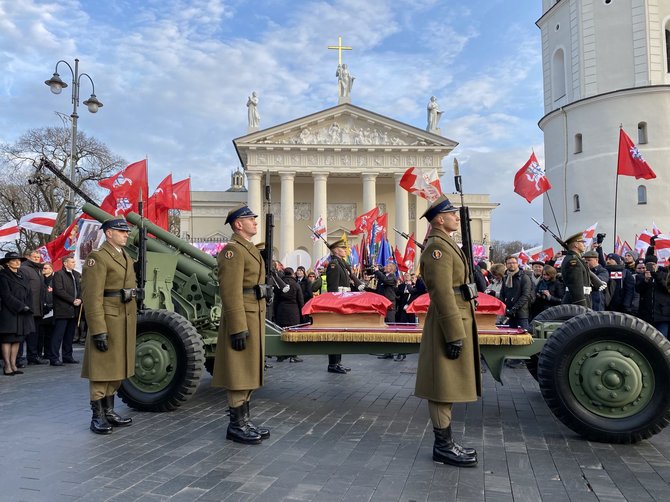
{"type": "Point", "coordinates": [487, 304]}
{"type": "Point", "coordinates": [347, 303]}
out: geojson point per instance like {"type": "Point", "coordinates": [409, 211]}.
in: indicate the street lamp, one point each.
{"type": "Point", "coordinates": [57, 85]}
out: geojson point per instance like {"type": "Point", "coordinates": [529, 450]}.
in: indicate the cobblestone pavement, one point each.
{"type": "Point", "coordinates": [355, 437]}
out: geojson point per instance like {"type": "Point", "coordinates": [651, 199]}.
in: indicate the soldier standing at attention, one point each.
{"type": "Point", "coordinates": [575, 273]}
{"type": "Point", "coordinates": [448, 368]}
{"type": "Point", "coordinates": [109, 292]}
{"type": "Point", "coordinates": [240, 351]}
{"type": "Point", "coordinates": [339, 278]}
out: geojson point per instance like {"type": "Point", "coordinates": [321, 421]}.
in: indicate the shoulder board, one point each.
{"type": "Point", "coordinates": [572, 262]}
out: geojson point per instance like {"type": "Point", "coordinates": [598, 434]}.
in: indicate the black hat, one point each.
{"type": "Point", "coordinates": [650, 258]}
{"type": "Point", "coordinates": [240, 211]}
{"type": "Point", "coordinates": [116, 224]}
{"type": "Point", "coordinates": [12, 255]}
{"type": "Point", "coordinates": [441, 205]}
{"type": "Point", "coordinates": [590, 254]}
{"type": "Point", "coordinates": [615, 257]}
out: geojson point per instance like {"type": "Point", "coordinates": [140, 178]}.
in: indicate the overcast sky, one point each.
{"type": "Point", "coordinates": [174, 76]}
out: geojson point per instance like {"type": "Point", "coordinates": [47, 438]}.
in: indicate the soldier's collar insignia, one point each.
{"type": "Point", "coordinates": [437, 254]}
{"type": "Point", "coordinates": [228, 254]}
{"type": "Point", "coordinates": [90, 262]}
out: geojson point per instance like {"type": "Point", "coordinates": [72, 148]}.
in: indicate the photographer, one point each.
{"type": "Point", "coordinates": [654, 295]}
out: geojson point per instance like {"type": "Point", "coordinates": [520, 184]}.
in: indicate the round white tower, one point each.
{"type": "Point", "coordinates": [606, 63]}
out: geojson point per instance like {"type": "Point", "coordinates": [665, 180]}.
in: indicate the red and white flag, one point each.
{"type": "Point", "coordinates": [643, 241]}
{"type": "Point", "coordinates": [589, 234]}
{"type": "Point", "coordinates": [625, 247]}
{"type": "Point", "coordinates": [655, 230]}
{"type": "Point", "coordinates": [181, 192]}
{"type": "Point", "coordinates": [9, 231]}
{"type": "Point", "coordinates": [410, 253]}
{"type": "Point", "coordinates": [41, 222]}
{"type": "Point", "coordinates": [424, 183]}
{"type": "Point", "coordinates": [380, 228]}
{"type": "Point", "coordinates": [127, 185]}
{"type": "Point", "coordinates": [530, 181]}
{"type": "Point", "coordinates": [662, 248]}
{"type": "Point", "coordinates": [630, 161]}
{"type": "Point", "coordinates": [544, 255]}
{"type": "Point", "coordinates": [618, 246]}
{"type": "Point", "coordinates": [523, 257]}
{"type": "Point", "coordinates": [319, 228]}
{"type": "Point", "coordinates": [400, 264]}
{"type": "Point", "coordinates": [363, 223]}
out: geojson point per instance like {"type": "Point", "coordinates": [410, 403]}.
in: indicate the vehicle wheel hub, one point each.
{"type": "Point", "coordinates": [155, 361]}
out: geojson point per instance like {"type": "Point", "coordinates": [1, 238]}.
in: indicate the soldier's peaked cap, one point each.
{"type": "Point", "coordinates": [240, 211]}
{"type": "Point", "coordinates": [440, 205]}
{"type": "Point", "coordinates": [116, 224]}
{"type": "Point", "coordinates": [338, 244]}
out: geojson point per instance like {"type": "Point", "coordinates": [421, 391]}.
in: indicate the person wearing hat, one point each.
{"type": "Point", "coordinates": [448, 368]}
{"type": "Point", "coordinates": [108, 293]}
{"type": "Point", "coordinates": [16, 316]}
{"type": "Point", "coordinates": [599, 296]}
{"type": "Point", "coordinates": [240, 350]}
{"type": "Point", "coordinates": [621, 285]}
{"type": "Point", "coordinates": [339, 277]}
{"type": "Point", "coordinates": [575, 273]}
{"type": "Point", "coordinates": [654, 295]}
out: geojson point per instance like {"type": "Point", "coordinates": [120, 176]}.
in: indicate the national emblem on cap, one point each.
{"type": "Point", "coordinates": [116, 224]}
{"type": "Point", "coordinates": [441, 205]}
{"type": "Point", "coordinates": [239, 211]}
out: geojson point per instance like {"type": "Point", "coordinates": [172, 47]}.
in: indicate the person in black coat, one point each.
{"type": "Point", "coordinates": [549, 291]}
{"type": "Point", "coordinates": [621, 285]}
{"type": "Point", "coordinates": [46, 324]}
{"type": "Point", "coordinates": [67, 302]}
{"type": "Point", "coordinates": [16, 318]}
{"type": "Point", "coordinates": [516, 293]}
{"type": "Point", "coordinates": [32, 271]}
{"type": "Point", "coordinates": [303, 282]}
{"type": "Point", "coordinates": [654, 295]}
{"type": "Point", "coordinates": [288, 307]}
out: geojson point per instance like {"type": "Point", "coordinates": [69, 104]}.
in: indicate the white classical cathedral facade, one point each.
{"type": "Point", "coordinates": [606, 64]}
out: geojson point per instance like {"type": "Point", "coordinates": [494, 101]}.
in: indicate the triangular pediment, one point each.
{"type": "Point", "coordinates": [345, 126]}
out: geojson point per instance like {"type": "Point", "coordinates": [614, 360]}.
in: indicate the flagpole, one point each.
{"type": "Point", "coordinates": [551, 207]}
{"type": "Point", "coordinates": [616, 183]}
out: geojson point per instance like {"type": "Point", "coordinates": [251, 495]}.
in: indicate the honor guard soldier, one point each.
{"type": "Point", "coordinates": [339, 277]}
{"type": "Point", "coordinates": [240, 350]}
{"type": "Point", "coordinates": [575, 273]}
{"type": "Point", "coordinates": [448, 368]}
{"type": "Point", "coordinates": [109, 293]}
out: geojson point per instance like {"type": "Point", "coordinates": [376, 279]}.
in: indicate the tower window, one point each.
{"type": "Point", "coordinates": [575, 203]}
{"type": "Point", "coordinates": [642, 133]}
{"type": "Point", "coordinates": [578, 143]}
{"type": "Point", "coordinates": [641, 194]}
{"type": "Point", "coordinates": [558, 75]}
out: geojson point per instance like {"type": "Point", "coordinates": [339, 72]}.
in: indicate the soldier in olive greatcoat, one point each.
{"type": "Point", "coordinates": [108, 294]}
{"type": "Point", "coordinates": [240, 350]}
{"type": "Point", "coordinates": [448, 369]}
{"type": "Point", "coordinates": [575, 273]}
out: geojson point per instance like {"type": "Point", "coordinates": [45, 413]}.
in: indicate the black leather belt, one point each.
{"type": "Point", "coordinates": [248, 291]}
{"type": "Point", "coordinates": [112, 293]}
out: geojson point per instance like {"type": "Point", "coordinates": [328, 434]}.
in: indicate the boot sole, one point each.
{"type": "Point", "coordinates": [100, 432]}
{"type": "Point", "coordinates": [470, 463]}
{"type": "Point", "coordinates": [121, 425]}
{"type": "Point", "coordinates": [243, 441]}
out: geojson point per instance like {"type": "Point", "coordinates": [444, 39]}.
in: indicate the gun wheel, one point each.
{"type": "Point", "coordinates": [168, 363]}
{"type": "Point", "coordinates": [605, 375]}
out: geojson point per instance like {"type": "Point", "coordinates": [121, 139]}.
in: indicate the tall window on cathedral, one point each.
{"type": "Point", "coordinates": [642, 133]}
{"type": "Point", "coordinates": [667, 51]}
{"type": "Point", "coordinates": [578, 143]}
{"type": "Point", "coordinates": [641, 194]}
{"type": "Point", "coordinates": [575, 203]}
{"type": "Point", "coordinates": [558, 75]}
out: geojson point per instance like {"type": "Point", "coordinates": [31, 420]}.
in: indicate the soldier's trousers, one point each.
{"type": "Point", "coordinates": [237, 398]}
{"type": "Point", "coordinates": [98, 390]}
{"type": "Point", "coordinates": [440, 414]}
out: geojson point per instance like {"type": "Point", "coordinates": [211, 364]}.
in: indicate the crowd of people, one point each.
{"type": "Point", "coordinates": [39, 311]}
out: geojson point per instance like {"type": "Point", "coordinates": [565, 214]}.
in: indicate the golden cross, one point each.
{"type": "Point", "coordinates": [339, 48]}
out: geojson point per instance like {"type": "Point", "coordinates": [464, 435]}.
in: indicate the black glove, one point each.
{"type": "Point", "coordinates": [453, 349]}
{"type": "Point", "coordinates": [25, 309]}
{"type": "Point", "coordinates": [510, 312]}
{"type": "Point", "coordinates": [100, 341]}
{"type": "Point", "coordinates": [239, 340]}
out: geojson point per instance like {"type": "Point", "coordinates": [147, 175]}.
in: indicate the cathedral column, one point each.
{"type": "Point", "coordinates": [320, 209]}
{"type": "Point", "coordinates": [254, 201]}
{"type": "Point", "coordinates": [401, 209]}
{"type": "Point", "coordinates": [286, 239]}
{"type": "Point", "coordinates": [369, 191]}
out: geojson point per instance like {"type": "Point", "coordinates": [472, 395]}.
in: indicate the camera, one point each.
{"type": "Point", "coordinates": [600, 238]}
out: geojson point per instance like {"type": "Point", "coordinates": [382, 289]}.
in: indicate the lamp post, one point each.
{"type": "Point", "coordinates": [57, 85]}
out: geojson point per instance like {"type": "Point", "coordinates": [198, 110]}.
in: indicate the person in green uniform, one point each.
{"type": "Point", "coordinates": [240, 350]}
{"type": "Point", "coordinates": [109, 292]}
{"type": "Point", "coordinates": [575, 273]}
{"type": "Point", "coordinates": [448, 369]}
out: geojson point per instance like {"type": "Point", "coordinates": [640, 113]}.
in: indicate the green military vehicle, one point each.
{"type": "Point", "coordinates": [605, 375]}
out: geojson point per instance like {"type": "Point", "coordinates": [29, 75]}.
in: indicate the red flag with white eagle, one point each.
{"type": "Point", "coordinates": [589, 234]}
{"type": "Point", "coordinates": [410, 253]}
{"type": "Point", "coordinates": [424, 183]}
{"type": "Point", "coordinates": [127, 185]}
{"type": "Point", "coordinates": [363, 223]}
{"type": "Point", "coordinates": [523, 258]}
{"type": "Point", "coordinates": [9, 231]}
{"type": "Point", "coordinates": [319, 229]}
{"type": "Point", "coordinates": [181, 193]}
{"type": "Point", "coordinates": [630, 161]}
{"type": "Point", "coordinates": [380, 227]}
{"type": "Point", "coordinates": [530, 181]}
{"type": "Point", "coordinates": [544, 255]}
{"type": "Point", "coordinates": [41, 222]}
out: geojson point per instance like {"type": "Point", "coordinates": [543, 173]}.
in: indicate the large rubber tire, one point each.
{"type": "Point", "coordinates": [605, 375]}
{"type": "Point", "coordinates": [555, 313]}
{"type": "Point", "coordinates": [168, 364]}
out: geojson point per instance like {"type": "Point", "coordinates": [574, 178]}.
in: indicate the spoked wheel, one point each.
{"type": "Point", "coordinates": [168, 362]}
{"type": "Point", "coordinates": [605, 375]}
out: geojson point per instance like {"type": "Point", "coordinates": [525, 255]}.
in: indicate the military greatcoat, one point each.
{"type": "Point", "coordinates": [575, 277]}
{"type": "Point", "coordinates": [109, 270]}
{"type": "Point", "coordinates": [338, 274]}
{"type": "Point", "coordinates": [449, 318]}
{"type": "Point", "coordinates": [241, 267]}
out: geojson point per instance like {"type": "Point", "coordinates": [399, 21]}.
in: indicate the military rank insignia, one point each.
{"type": "Point", "coordinates": [90, 262]}
{"type": "Point", "coordinates": [228, 254]}
{"type": "Point", "coordinates": [437, 254]}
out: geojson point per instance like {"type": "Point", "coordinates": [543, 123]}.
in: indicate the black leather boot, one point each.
{"type": "Point", "coordinates": [261, 431]}
{"type": "Point", "coordinates": [113, 417]}
{"type": "Point", "coordinates": [238, 429]}
{"type": "Point", "coordinates": [467, 451]}
{"type": "Point", "coordinates": [446, 451]}
{"type": "Point", "coordinates": [99, 423]}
